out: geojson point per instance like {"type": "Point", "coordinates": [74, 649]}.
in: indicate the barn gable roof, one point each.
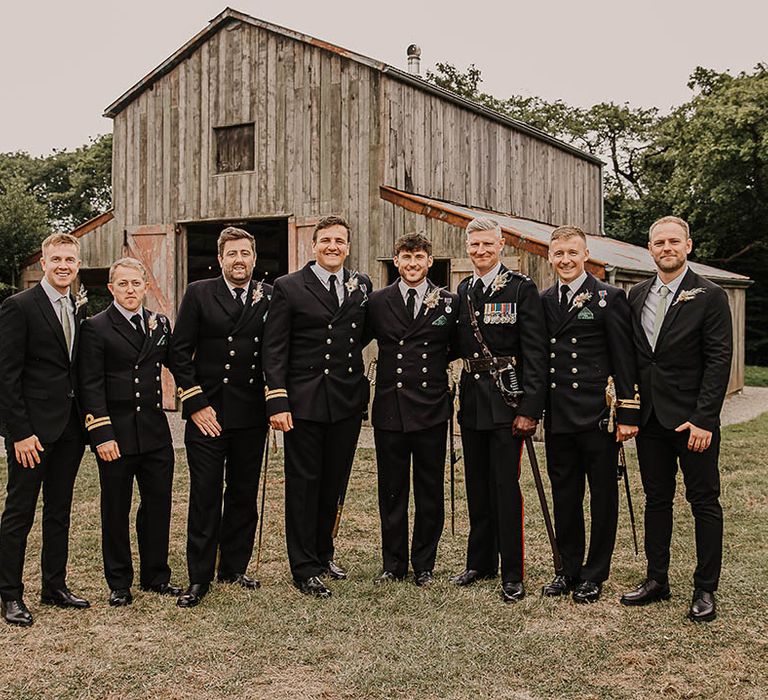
{"type": "Point", "coordinates": [229, 17]}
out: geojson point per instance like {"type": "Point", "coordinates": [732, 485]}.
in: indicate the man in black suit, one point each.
{"type": "Point", "coordinates": [39, 334]}
{"type": "Point", "coordinates": [590, 336]}
{"type": "Point", "coordinates": [684, 343]}
{"type": "Point", "coordinates": [316, 394]}
{"type": "Point", "coordinates": [412, 320]}
{"type": "Point", "coordinates": [510, 333]}
{"type": "Point", "coordinates": [216, 361]}
{"type": "Point", "coordinates": [121, 353]}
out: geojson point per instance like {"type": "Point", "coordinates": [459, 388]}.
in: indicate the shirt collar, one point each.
{"type": "Point", "coordinates": [323, 274]}
{"type": "Point", "coordinates": [129, 314]}
{"type": "Point", "coordinates": [52, 293]}
{"type": "Point", "coordinates": [574, 284]}
{"type": "Point", "coordinates": [421, 290]}
{"type": "Point", "coordinates": [488, 277]}
{"type": "Point", "coordinates": [673, 285]}
{"type": "Point", "coordinates": [231, 287]}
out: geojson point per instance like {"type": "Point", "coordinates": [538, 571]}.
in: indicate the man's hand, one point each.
{"type": "Point", "coordinates": [699, 439]}
{"type": "Point", "coordinates": [27, 451]}
{"type": "Point", "coordinates": [625, 432]}
{"type": "Point", "coordinates": [205, 420]}
{"type": "Point", "coordinates": [524, 427]}
{"type": "Point", "coordinates": [108, 451]}
{"type": "Point", "coordinates": [282, 421]}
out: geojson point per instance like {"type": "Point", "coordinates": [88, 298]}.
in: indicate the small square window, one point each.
{"type": "Point", "coordinates": [234, 148]}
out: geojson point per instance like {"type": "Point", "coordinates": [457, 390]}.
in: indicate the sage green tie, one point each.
{"type": "Point", "coordinates": [66, 324]}
{"type": "Point", "coordinates": [661, 311]}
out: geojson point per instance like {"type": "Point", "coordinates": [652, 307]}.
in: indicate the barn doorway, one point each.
{"type": "Point", "coordinates": [271, 248]}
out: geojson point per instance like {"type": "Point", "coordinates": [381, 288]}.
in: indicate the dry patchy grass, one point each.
{"type": "Point", "coordinates": [402, 641]}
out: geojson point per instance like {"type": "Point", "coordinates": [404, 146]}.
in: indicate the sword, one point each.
{"type": "Point", "coordinates": [263, 496]}
{"type": "Point", "coordinates": [558, 562]}
{"type": "Point", "coordinates": [454, 459]}
{"type": "Point", "coordinates": [623, 471]}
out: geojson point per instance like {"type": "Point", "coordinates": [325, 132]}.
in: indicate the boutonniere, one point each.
{"type": "Point", "coordinates": [580, 299]}
{"type": "Point", "coordinates": [258, 293]}
{"type": "Point", "coordinates": [81, 298]}
{"type": "Point", "coordinates": [500, 281]}
{"type": "Point", "coordinates": [352, 283]}
{"type": "Point", "coordinates": [432, 299]}
{"type": "Point", "coordinates": [687, 295]}
{"type": "Point", "coordinates": [152, 322]}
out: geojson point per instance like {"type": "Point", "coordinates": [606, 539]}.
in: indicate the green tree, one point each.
{"type": "Point", "coordinates": [23, 224]}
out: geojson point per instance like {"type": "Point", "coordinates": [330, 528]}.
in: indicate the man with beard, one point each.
{"type": "Point", "coordinates": [316, 394]}
{"type": "Point", "coordinates": [216, 361]}
{"type": "Point", "coordinates": [412, 320]}
{"type": "Point", "coordinates": [684, 343]}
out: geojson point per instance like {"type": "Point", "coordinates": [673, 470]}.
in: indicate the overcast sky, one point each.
{"type": "Point", "coordinates": [62, 63]}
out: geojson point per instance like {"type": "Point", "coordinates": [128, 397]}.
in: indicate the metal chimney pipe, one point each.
{"type": "Point", "coordinates": [414, 60]}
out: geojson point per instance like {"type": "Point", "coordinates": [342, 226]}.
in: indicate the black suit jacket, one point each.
{"type": "Point", "coordinates": [216, 352]}
{"type": "Point", "coordinates": [685, 378]}
{"type": "Point", "coordinates": [586, 345]}
{"type": "Point", "coordinates": [411, 370]}
{"type": "Point", "coordinates": [481, 405]}
{"type": "Point", "coordinates": [120, 387]}
{"type": "Point", "coordinates": [313, 361]}
{"type": "Point", "coordinates": [37, 378]}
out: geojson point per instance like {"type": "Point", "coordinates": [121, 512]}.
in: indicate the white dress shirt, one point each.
{"type": "Point", "coordinates": [324, 276]}
{"type": "Point", "coordinates": [487, 278]}
{"type": "Point", "coordinates": [573, 287]}
{"type": "Point", "coordinates": [648, 316]}
{"type": "Point", "coordinates": [421, 291]}
{"type": "Point", "coordinates": [130, 314]}
{"type": "Point", "coordinates": [54, 295]}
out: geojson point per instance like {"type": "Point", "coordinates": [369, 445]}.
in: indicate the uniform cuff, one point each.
{"type": "Point", "coordinates": [99, 429]}
{"type": "Point", "coordinates": [277, 401]}
{"type": "Point", "coordinates": [193, 399]}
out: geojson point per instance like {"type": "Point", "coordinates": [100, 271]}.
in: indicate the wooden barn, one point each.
{"type": "Point", "coordinates": [260, 126]}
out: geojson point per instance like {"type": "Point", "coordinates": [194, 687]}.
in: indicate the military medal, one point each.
{"type": "Point", "coordinates": [495, 314]}
{"type": "Point", "coordinates": [602, 293]}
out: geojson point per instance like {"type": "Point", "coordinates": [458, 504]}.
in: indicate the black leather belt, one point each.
{"type": "Point", "coordinates": [483, 364]}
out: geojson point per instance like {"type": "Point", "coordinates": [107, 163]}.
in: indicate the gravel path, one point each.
{"type": "Point", "coordinates": [737, 409]}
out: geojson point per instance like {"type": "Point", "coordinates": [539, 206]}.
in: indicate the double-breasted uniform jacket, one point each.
{"type": "Point", "coordinates": [216, 352]}
{"type": "Point", "coordinates": [589, 343]}
{"type": "Point", "coordinates": [313, 361]}
{"type": "Point", "coordinates": [686, 376]}
{"type": "Point", "coordinates": [514, 300]}
{"type": "Point", "coordinates": [120, 385]}
{"type": "Point", "coordinates": [38, 380]}
{"type": "Point", "coordinates": [411, 370]}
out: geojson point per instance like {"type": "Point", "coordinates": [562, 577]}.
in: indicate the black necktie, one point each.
{"type": "Point", "coordinates": [136, 321]}
{"type": "Point", "coordinates": [410, 304]}
{"type": "Point", "coordinates": [477, 294]}
{"type": "Point", "coordinates": [239, 292]}
{"type": "Point", "coordinates": [564, 289]}
{"type": "Point", "coordinates": [332, 289]}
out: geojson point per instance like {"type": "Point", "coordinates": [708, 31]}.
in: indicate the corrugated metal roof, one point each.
{"type": "Point", "coordinates": [534, 236]}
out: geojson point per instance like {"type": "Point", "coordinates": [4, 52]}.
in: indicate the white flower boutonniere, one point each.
{"type": "Point", "coordinates": [352, 283]}
{"type": "Point", "coordinates": [580, 299]}
{"type": "Point", "coordinates": [500, 281]}
{"type": "Point", "coordinates": [258, 293]}
{"type": "Point", "coordinates": [688, 294]}
{"type": "Point", "coordinates": [152, 322]}
{"type": "Point", "coordinates": [431, 299]}
{"type": "Point", "coordinates": [81, 298]}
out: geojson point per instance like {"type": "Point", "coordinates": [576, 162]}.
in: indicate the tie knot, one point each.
{"type": "Point", "coordinates": [332, 280]}
{"type": "Point", "coordinates": [664, 291]}
{"type": "Point", "coordinates": [412, 293]}
{"type": "Point", "coordinates": [239, 291]}
{"type": "Point", "coordinates": [478, 285]}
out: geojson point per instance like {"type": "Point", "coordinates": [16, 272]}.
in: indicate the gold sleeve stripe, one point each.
{"type": "Point", "coordinates": [628, 403]}
{"type": "Point", "coordinates": [98, 423]}
{"type": "Point", "coordinates": [276, 394]}
{"type": "Point", "coordinates": [185, 394]}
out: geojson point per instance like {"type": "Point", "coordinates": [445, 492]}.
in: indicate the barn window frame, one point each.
{"type": "Point", "coordinates": [224, 142]}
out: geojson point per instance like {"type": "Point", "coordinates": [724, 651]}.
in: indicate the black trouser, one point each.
{"type": "Point", "coordinates": [659, 450]}
{"type": "Point", "coordinates": [570, 458]}
{"type": "Point", "coordinates": [231, 529]}
{"type": "Point", "coordinates": [154, 475]}
{"type": "Point", "coordinates": [494, 500]}
{"type": "Point", "coordinates": [318, 457]}
{"type": "Point", "coordinates": [394, 451]}
{"type": "Point", "coordinates": [56, 474]}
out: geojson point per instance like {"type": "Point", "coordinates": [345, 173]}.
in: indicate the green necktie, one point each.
{"type": "Point", "coordinates": [661, 311]}
{"type": "Point", "coordinates": [66, 324]}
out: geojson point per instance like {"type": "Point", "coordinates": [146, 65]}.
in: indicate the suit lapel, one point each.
{"type": "Point", "coordinates": [424, 314]}
{"type": "Point", "coordinates": [489, 292]}
{"type": "Point", "coordinates": [227, 301]}
{"type": "Point", "coordinates": [637, 305]}
{"type": "Point", "coordinates": [688, 282]}
{"type": "Point", "coordinates": [314, 285]}
{"type": "Point", "coordinates": [397, 306]}
{"type": "Point", "coordinates": [79, 318]}
{"type": "Point", "coordinates": [551, 308]}
{"type": "Point", "coordinates": [46, 309]}
{"type": "Point", "coordinates": [124, 327]}
{"type": "Point", "coordinates": [573, 310]}
{"type": "Point", "coordinates": [248, 309]}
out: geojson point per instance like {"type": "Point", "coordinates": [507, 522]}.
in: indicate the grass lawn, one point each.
{"type": "Point", "coordinates": [755, 376]}
{"type": "Point", "coordinates": [404, 642]}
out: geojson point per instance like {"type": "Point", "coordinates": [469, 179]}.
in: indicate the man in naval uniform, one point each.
{"type": "Point", "coordinates": [316, 394]}
{"type": "Point", "coordinates": [122, 350]}
{"type": "Point", "coordinates": [412, 320]}
{"type": "Point", "coordinates": [216, 361]}
{"type": "Point", "coordinates": [590, 335]}
{"type": "Point", "coordinates": [510, 332]}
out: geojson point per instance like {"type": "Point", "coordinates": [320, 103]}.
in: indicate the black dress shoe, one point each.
{"type": "Point", "coordinates": [312, 586]}
{"type": "Point", "coordinates": [63, 598]}
{"type": "Point", "coordinates": [120, 597]}
{"type": "Point", "coordinates": [587, 592]}
{"type": "Point", "coordinates": [703, 607]}
{"type": "Point", "coordinates": [241, 580]}
{"type": "Point", "coordinates": [649, 591]}
{"type": "Point", "coordinates": [334, 571]}
{"type": "Point", "coordinates": [423, 578]}
{"type": "Point", "coordinates": [386, 577]}
{"type": "Point", "coordinates": [16, 613]}
{"type": "Point", "coordinates": [469, 576]}
{"type": "Point", "coordinates": [163, 589]}
{"type": "Point", "coordinates": [560, 585]}
{"type": "Point", "coordinates": [193, 595]}
{"type": "Point", "coordinates": [512, 591]}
